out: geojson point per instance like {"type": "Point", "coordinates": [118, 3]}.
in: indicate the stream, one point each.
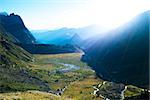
{"type": "Point", "coordinates": [68, 68]}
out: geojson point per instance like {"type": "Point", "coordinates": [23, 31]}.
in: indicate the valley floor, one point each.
{"type": "Point", "coordinates": [67, 78]}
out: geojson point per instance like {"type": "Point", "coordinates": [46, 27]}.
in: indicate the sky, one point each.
{"type": "Point", "coordinates": [52, 14]}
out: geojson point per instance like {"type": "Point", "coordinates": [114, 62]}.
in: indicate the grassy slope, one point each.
{"type": "Point", "coordinates": [14, 72]}
{"type": "Point", "coordinates": [133, 91]}
{"type": "Point", "coordinates": [29, 95]}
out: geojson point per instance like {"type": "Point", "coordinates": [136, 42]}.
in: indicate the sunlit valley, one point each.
{"type": "Point", "coordinates": [71, 57]}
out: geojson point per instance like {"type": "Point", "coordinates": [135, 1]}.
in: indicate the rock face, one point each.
{"type": "Point", "coordinates": [123, 56]}
{"type": "Point", "coordinates": [14, 26]}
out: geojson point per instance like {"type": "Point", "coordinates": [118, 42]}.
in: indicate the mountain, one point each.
{"type": "Point", "coordinates": [64, 35]}
{"type": "Point", "coordinates": [54, 44]}
{"type": "Point", "coordinates": [58, 37]}
{"type": "Point", "coordinates": [14, 26]}
{"type": "Point", "coordinates": [15, 74]}
{"type": "Point", "coordinates": [75, 40]}
{"type": "Point", "coordinates": [123, 54]}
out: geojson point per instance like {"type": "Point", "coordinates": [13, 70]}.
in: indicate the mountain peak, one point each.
{"type": "Point", "coordinates": [14, 22]}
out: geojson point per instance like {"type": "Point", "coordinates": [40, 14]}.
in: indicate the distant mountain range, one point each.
{"type": "Point", "coordinates": [67, 35]}
{"type": "Point", "coordinates": [123, 54]}
{"type": "Point", "coordinates": [58, 37]}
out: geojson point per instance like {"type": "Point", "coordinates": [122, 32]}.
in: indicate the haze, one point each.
{"type": "Point", "coordinates": [50, 14]}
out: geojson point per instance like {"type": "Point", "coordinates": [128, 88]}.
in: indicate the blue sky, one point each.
{"type": "Point", "coordinates": [49, 14]}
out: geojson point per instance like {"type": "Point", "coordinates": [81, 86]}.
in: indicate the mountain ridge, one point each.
{"type": "Point", "coordinates": [14, 25]}
{"type": "Point", "coordinates": [118, 56]}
